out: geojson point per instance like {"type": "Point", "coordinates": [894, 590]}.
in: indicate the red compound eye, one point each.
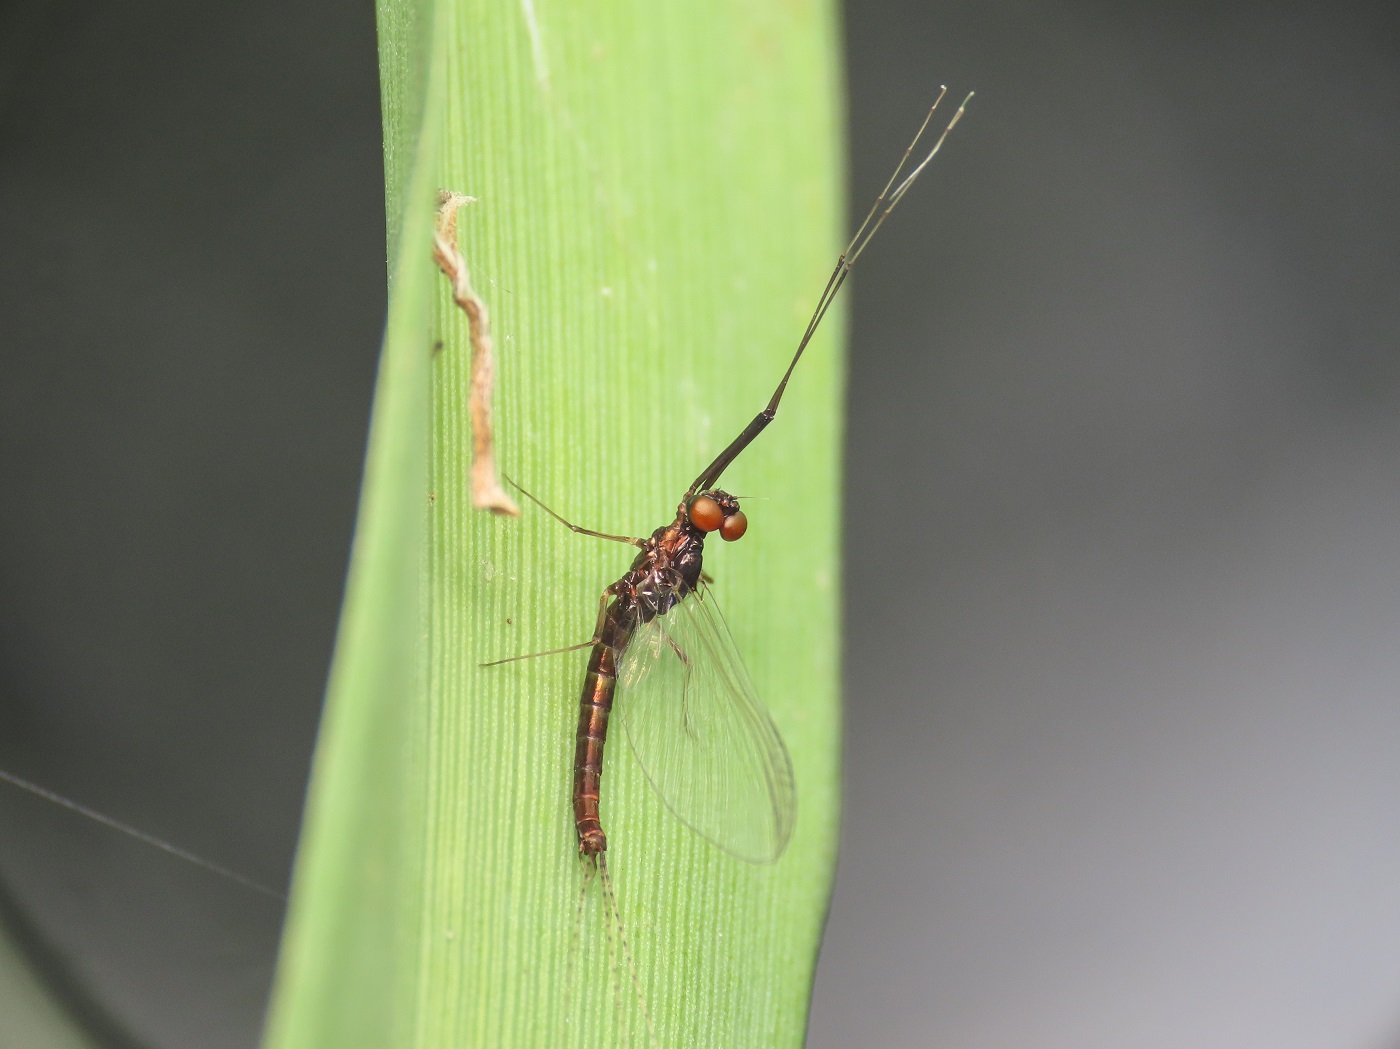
{"type": "Point", "coordinates": [706, 514]}
{"type": "Point", "coordinates": [734, 527]}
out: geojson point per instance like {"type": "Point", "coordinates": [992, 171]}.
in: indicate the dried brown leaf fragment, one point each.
{"type": "Point", "coordinates": [486, 490]}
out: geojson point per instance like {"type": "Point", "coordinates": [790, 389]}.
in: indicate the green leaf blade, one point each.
{"type": "Point", "coordinates": [658, 192]}
{"type": "Point", "coordinates": [658, 196]}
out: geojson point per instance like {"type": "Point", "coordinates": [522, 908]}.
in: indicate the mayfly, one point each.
{"type": "Point", "coordinates": [661, 652]}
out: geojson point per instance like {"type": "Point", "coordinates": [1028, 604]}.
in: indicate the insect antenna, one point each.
{"type": "Point", "coordinates": [141, 836]}
{"type": "Point", "coordinates": [874, 219]}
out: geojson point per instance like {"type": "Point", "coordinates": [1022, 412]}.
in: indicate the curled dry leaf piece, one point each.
{"type": "Point", "coordinates": [487, 493]}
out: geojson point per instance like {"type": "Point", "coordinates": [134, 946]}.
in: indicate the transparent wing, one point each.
{"type": "Point", "coordinates": [700, 734]}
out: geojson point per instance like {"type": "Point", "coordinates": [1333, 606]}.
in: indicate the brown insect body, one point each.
{"type": "Point", "coordinates": [725, 737]}
{"type": "Point", "coordinates": [666, 570]}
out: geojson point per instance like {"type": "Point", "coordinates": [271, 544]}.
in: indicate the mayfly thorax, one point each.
{"type": "Point", "coordinates": [663, 659]}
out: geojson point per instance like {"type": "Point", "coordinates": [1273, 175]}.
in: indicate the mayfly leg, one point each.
{"type": "Point", "coordinates": [597, 635]}
{"type": "Point", "coordinates": [863, 237]}
{"type": "Point", "coordinates": [602, 601]}
{"type": "Point", "coordinates": [874, 219]}
{"type": "Point", "coordinates": [629, 540]}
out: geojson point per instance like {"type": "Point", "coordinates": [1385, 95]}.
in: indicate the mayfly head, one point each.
{"type": "Point", "coordinates": [718, 511]}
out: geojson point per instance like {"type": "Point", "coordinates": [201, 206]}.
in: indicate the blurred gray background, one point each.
{"type": "Point", "coordinates": [1123, 723]}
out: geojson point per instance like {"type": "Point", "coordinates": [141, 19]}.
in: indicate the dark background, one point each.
{"type": "Point", "coordinates": [1123, 579]}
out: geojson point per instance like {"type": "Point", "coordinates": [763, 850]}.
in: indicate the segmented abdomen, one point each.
{"type": "Point", "coordinates": [595, 704]}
